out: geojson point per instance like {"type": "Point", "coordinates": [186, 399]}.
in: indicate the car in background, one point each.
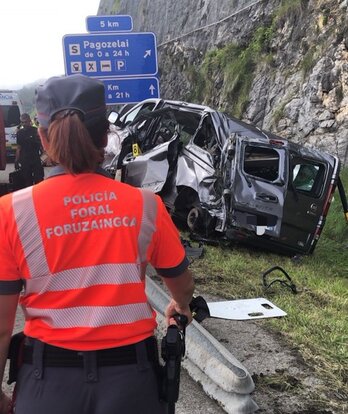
{"type": "Point", "coordinates": [223, 178]}
{"type": "Point", "coordinates": [11, 107]}
{"type": "Point", "coordinates": [2, 142]}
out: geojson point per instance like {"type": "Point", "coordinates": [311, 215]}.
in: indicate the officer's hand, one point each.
{"type": "Point", "coordinates": [5, 404]}
{"type": "Point", "coordinates": [174, 308]}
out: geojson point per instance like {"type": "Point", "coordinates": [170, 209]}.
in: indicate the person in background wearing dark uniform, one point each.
{"type": "Point", "coordinates": [28, 152]}
{"type": "Point", "coordinates": [77, 246]}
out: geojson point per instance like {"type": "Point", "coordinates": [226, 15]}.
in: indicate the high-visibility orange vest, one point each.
{"type": "Point", "coordinates": [81, 244]}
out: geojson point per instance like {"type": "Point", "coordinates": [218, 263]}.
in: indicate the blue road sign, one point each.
{"type": "Point", "coordinates": [130, 90]}
{"type": "Point", "coordinates": [109, 55]}
{"type": "Point", "coordinates": [113, 23]}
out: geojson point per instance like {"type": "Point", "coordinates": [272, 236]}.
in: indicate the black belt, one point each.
{"type": "Point", "coordinates": [60, 357]}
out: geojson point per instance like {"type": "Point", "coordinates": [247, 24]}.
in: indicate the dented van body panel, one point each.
{"type": "Point", "coordinates": [226, 179]}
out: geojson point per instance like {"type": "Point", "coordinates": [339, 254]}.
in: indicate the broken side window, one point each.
{"type": "Point", "coordinates": [261, 162]}
{"type": "Point", "coordinates": [206, 136]}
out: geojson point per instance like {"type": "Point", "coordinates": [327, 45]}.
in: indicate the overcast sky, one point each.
{"type": "Point", "coordinates": [31, 33]}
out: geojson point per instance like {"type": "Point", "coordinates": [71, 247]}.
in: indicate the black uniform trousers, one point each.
{"type": "Point", "coordinates": [33, 171]}
{"type": "Point", "coordinates": [92, 388]}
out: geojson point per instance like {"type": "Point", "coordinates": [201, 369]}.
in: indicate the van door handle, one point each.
{"type": "Point", "coordinates": [270, 198]}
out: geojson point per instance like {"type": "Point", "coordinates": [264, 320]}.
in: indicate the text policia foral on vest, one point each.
{"type": "Point", "coordinates": [79, 209]}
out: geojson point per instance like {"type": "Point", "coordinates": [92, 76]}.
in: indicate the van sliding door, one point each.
{"type": "Point", "coordinates": [258, 188]}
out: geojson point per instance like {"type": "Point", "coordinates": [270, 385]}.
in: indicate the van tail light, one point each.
{"type": "Point", "coordinates": [343, 198]}
{"type": "Point", "coordinates": [326, 207]}
{"type": "Point", "coordinates": [328, 199]}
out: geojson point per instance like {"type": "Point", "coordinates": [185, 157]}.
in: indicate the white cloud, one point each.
{"type": "Point", "coordinates": [31, 35]}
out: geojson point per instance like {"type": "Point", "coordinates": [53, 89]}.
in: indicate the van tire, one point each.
{"type": "Point", "coordinates": [194, 218]}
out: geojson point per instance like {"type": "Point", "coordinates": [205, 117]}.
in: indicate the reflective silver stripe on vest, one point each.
{"type": "Point", "coordinates": [92, 316]}
{"type": "Point", "coordinates": [29, 232]}
{"type": "Point", "coordinates": [105, 274]}
{"type": "Point", "coordinates": [42, 280]}
{"type": "Point", "coordinates": [148, 223]}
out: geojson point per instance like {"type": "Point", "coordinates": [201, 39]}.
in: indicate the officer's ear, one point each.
{"type": "Point", "coordinates": [43, 138]}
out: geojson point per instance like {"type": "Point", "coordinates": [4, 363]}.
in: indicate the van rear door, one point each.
{"type": "Point", "coordinates": [311, 185]}
{"type": "Point", "coordinates": [259, 185]}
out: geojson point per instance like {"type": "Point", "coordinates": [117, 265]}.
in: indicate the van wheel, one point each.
{"type": "Point", "coordinates": [194, 218]}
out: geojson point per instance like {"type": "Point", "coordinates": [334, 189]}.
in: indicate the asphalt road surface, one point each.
{"type": "Point", "coordinates": [9, 168]}
{"type": "Point", "coordinates": [4, 174]}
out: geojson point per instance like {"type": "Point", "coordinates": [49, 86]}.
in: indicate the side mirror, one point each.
{"type": "Point", "coordinates": [113, 117]}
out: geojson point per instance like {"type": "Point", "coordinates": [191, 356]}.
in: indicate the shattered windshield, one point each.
{"type": "Point", "coordinates": [167, 124]}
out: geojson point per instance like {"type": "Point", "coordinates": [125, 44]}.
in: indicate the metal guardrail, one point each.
{"type": "Point", "coordinates": [221, 375]}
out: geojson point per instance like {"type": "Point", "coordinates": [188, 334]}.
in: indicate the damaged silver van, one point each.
{"type": "Point", "coordinates": [226, 179]}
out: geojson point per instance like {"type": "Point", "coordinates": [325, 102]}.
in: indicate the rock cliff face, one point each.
{"type": "Point", "coordinates": [281, 64]}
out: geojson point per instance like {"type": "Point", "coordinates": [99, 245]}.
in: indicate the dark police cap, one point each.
{"type": "Point", "coordinates": [75, 92]}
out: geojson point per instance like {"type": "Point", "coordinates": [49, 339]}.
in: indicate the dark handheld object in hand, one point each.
{"type": "Point", "coordinates": [199, 309]}
{"type": "Point", "coordinates": [172, 351]}
{"type": "Point", "coordinates": [15, 355]}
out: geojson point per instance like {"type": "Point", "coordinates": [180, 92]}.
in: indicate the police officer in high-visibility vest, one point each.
{"type": "Point", "coordinates": [74, 250]}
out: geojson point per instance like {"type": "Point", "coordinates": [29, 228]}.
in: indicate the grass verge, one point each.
{"type": "Point", "coordinates": [316, 321]}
